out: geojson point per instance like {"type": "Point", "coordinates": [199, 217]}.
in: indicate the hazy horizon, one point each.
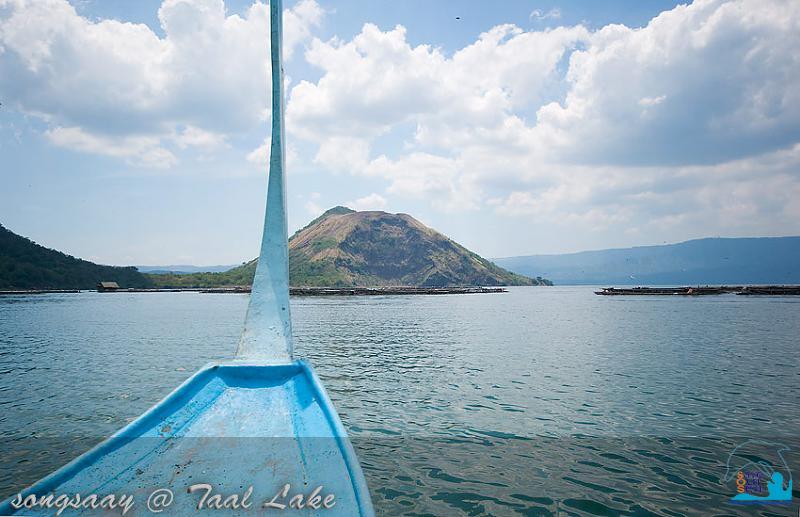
{"type": "Point", "coordinates": [199, 267]}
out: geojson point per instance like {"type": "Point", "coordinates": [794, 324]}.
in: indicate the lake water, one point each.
{"type": "Point", "coordinates": [537, 401]}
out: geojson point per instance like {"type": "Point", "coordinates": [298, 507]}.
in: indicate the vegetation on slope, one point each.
{"type": "Point", "coordinates": [27, 265]}
{"type": "Point", "coordinates": [344, 248]}
{"type": "Point", "coordinates": [238, 276]}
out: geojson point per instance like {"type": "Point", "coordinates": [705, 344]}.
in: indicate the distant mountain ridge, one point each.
{"type": "Point", "coordinates": [343, 248]}
{"type": "Point", "coordinates": [27, 265]}
{"type": "Point", "coordinates": [182, 269]}
{"type": "Point", "coordinates": [753, 260]}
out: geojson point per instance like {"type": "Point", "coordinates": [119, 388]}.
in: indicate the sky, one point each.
{"type": "Point", "coordinates": [138, 132]}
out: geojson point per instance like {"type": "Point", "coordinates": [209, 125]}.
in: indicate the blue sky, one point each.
{"type": "Point", "coordinates": [134, 132]}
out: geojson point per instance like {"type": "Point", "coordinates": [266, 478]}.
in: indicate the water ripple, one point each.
{"type": "Point", "coordinates": [537, 402]}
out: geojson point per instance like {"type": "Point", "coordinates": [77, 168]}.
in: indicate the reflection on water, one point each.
{"type": "Point", "coordinates": [542, 400]}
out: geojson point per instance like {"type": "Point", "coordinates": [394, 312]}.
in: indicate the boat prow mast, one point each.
{"type": "Point", "coordinates": [267, 334]}
{"type": "Point", "coordinates": [268, 417]}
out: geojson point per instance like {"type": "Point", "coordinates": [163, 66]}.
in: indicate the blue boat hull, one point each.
{"type": "Point", "coordinates": [228, 428]}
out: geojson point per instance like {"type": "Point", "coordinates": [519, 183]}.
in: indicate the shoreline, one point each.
{"type": "Point", "coordinates": [13, 292]}
{"type": "Point", "coordinates": [739, 290]}
{"type": "Point", "coordinates": [293, 291]}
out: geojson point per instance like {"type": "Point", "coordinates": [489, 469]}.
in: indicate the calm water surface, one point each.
{"type": "Point", "coordinates": [538, 401]}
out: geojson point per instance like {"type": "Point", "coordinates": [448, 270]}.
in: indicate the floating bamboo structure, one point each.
{"type": "Point", "coordinates": [764, 290]}
{"type": "Point", "coordinates": [770, 290]}
{"type": "Point", "coordinates": [370, 291]}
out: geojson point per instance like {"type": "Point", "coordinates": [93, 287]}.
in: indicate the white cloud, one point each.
{"type": "Point", "coordinates": [439, 178]}
{"type": "Point", "coordinates": [652, 101]}
{"type": "Point", "coordinates": [343, 154]}
{"type": "Point", "coordinates": [195, 137]}
{"type": "Point", "coordinates": [298, 24]}
{"type": "Point", "coordinates": [617, 127]}
{"type": "Point", "coordinates": [373, 201]}
{"type": "Point", "coordinates": [746, 196]}
{"type": "Point", "coordinates": [703, 83]}
{"type": "Point", "coordinates": [206, 78]}
{"type": "Point", "coordinates": [260, 156]}
{"type": "Point", "coordinates": [538, 14]}
{"type": "Point", "coordinates": [693, 117]}
{"type": "Point", "coordinates": [312, 205]}
{"type": "Point", "coordinates": [464, 103]}
{"type": "Point", "coordinates": [137, 150]}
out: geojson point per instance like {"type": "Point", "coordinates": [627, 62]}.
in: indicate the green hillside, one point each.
{"type": "Point", "coordinates": [238, 276]}
{"type": "Point", "coordinates": [27, 265]}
